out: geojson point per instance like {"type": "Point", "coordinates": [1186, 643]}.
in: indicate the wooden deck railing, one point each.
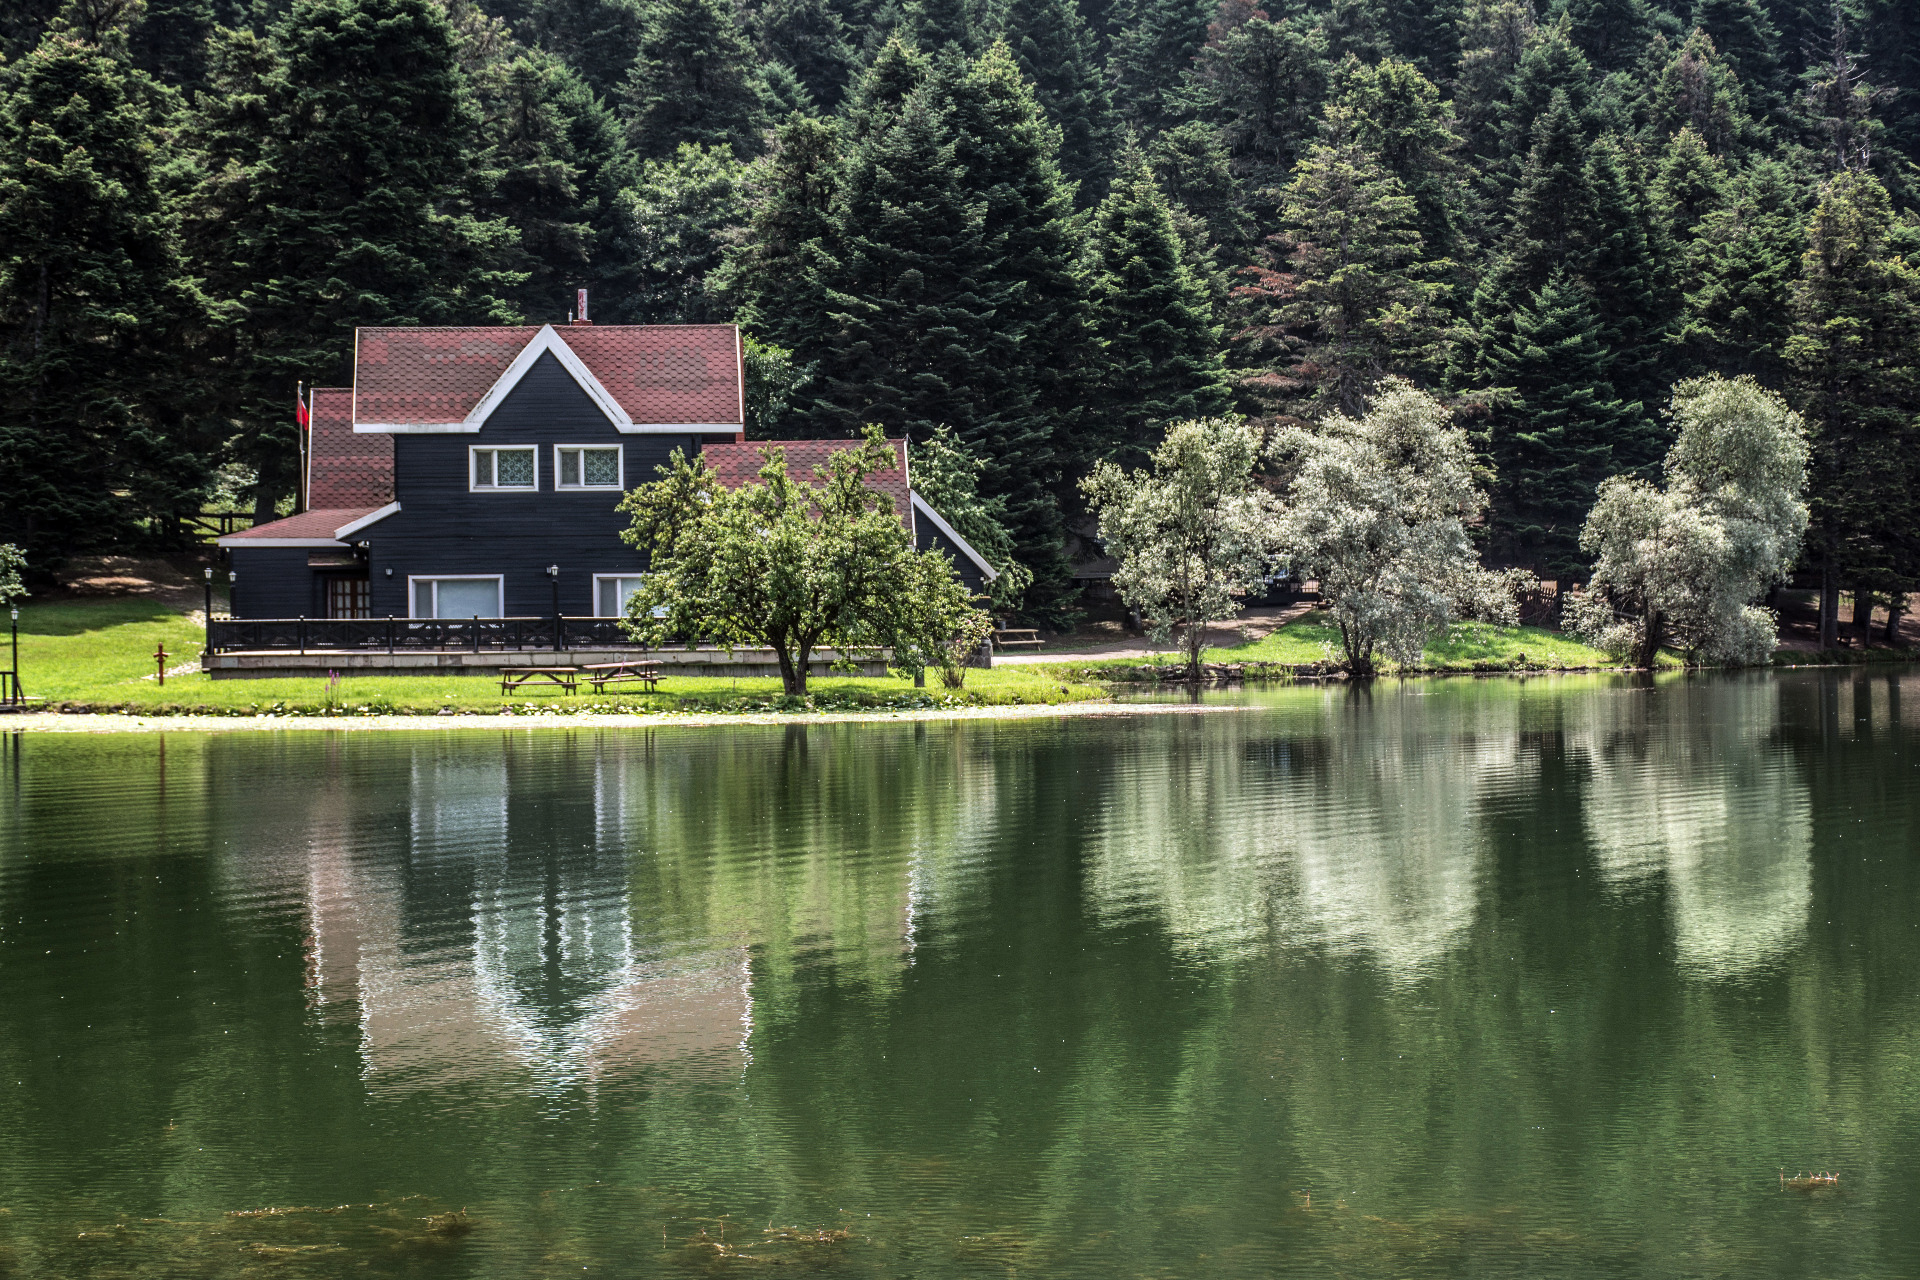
{"type": "Point", "coordinates": [411, 635]}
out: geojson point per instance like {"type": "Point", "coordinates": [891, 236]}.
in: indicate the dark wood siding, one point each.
{"type": "Point", "coordinates": [928, 537]}
{"type": "Point", "coordinates": [442, 528]}
{"type": "Point", "coordinates": [275, 583]}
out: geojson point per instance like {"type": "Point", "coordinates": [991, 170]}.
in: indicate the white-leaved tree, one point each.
{"type": "Point", "coordinates": [1378, 509]}
{"type": "Point", "coordinates": [1683, 565]}
{"type": "Point", "coordinates": [1190, 534]}
{"type": "Point", "coordinates": [12, 565]}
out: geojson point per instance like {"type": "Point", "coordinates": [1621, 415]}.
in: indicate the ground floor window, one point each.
{"type": "Point", "coordinates": [610, 594]}
{"type": "Point", "coordinates": [464, 597]}
{"type": "Point", "coordinates": [349, 598]}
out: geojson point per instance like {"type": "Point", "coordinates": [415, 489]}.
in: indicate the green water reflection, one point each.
{"type": "Point", "coordinates": [1454, 978]}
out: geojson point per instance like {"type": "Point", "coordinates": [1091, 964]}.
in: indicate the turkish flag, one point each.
{"type": "Point", "coordinates": [299, 410]}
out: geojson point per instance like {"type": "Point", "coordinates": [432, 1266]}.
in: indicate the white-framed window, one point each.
{"type": "Point", "coordinates": [472, 595]}
{"type": "Point", "coordinates": [587, 466]}
{"type": "Point", "coordinates": [610, 593]}
{"type": "Point", "coordinates": [503, 469]}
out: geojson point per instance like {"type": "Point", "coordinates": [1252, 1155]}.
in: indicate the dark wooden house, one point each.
{"type": "Point", "coordinates": [476, 472]}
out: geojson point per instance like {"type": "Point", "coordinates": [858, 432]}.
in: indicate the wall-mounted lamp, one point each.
{"type": "Point", "coordinates": [389, 573]}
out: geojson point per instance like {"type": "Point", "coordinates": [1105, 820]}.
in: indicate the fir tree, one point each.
{"type": "Point", "coordinates": [1628, 269]}
{"type": "Point", "coordinates": [1399, 116]}
{"type": "Point", "coordinates": [341, 177]}
{"type": "Point", "coordinates": [810, 37]}
{"type": "Point", "coordinates": [1697, 89]}
{"type": "Point", "coordinates": [1746, 37]}
{"type": "Point", "coordinates": [939, 26]}
{"type": "Point", "coordinates": [1743, 260]}
{"type": "Point", "coordinates": [911, 325]}
{"type": "Point", "coordinates": [1263, 84]}
{"type": "Point", "coordinates": [1154, 46]}
{"type": "Point", "coordinates": [1857, 332]}
{"type": "Point", "coordinates": [695, 80]}
{"type": "Point", "coordinates": [1494, 36]}
{"type": "Point", "coordinates": [780, 270]}
{"type": "Point", "coordinates": [1691, 184]}
{"type": "Point", "coordinates": [1612, 33]}
{"type": "Point", "coordinates": [1559, 435]}
{"type": "Point", "coordinates": [1055, 51]}
{"type": "Point", "coordinates": [1359, 296]}
{"type": "Point", "coordinates": [1191, 164]}
{"type": "Point", "coordinates": [599, 39]}
{"type": "Point", "coordinates": [679, 214]}
{"type": "Point", "coordinates": [1159, 357]}
{"type": "Point", "coordinates": [100, 318]}
{"type": "Point", "coordinates": [1548, 227]}
{"type": "Point", "coordinates": [1552, 69]}
{"type": "Point", "coordinates": [896, 71]}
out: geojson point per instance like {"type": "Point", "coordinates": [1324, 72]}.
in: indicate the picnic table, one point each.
{"type": "Point", "coordinates": [602, 674]}
{"type": "Point", "coordinates": [512, 678]}
{"type": "Point", "coordinates": [1016, 638]}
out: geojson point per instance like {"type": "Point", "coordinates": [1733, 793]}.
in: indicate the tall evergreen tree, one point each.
{"type": "Point", "coordinates": [1494, 36]}
{"type": "Point", "coordinates": [1612, 33]}
{"type": "Point", "coordinates": [1548, 226]}
{"type": "Point", "coordinates": [1009, 152]}
{"type": "Point", "coordinates": [1697, 89]}
{"type": "Point", "coordinates": [100, 320]}
{"type": "Point", "coordinates": [889, 80]}
{"type": "Point", "coordinates": [1691, 183]}
{"type": "Point", "coordinates": [696, 79]}
{"type": "Point", "coordinates": [599, 39]}
{"type": "Point", "coordinates": [811, 38]}
{"type": "Point", "coordinates": [1552, 68]}
{"type": "Point", "coordinates": [1856, 354]}
{"type": "Point", "coordinates": [340, 180]}
{"type": "Point", "coordinates": [1159, 355]}
{"type": "Point", "coordinates": [1558, 436]}
{"type": "Point", "coordinates": [939, 26]}
{"type": "Point", "coordinates": [1629, 270]}
{"type": "Point", "coordinates": [780, 270]}
{"type": "Point", "coordinates": [1747, 38]}
{"type": "Point", "coordinates": [1743, 261]}
{"type": "Point", "coordinates": [1154, 45]}
{"type": "Point", "coordinates": [1056, 52]}
{"type": "Point", "coordinates": [1357, 293]}
{"type": "Point", "coordinates": [679, 214]}
{"type": "Point", "coordinates": [1263, 83]}
{"type": "Point", "coordinates": [1400, 117]}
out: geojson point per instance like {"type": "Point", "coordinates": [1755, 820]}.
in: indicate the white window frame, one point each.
{"type": "Point", "coordinates": [619, 469]}
{"type": "Point", "coordinates": [473, 449]}
{"type": "Point", "coordinates": [599, 578]}
{"type": "Point", "coordinates": [499, 581]}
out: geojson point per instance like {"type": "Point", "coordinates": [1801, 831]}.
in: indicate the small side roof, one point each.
{"type": "Point", "coordinates": [308, 529]}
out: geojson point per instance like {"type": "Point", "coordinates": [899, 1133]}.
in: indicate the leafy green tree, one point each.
{"type": "Point", "coordinates": [339, 187]}
{"type": "Point", "coordinates": [102, 327]}
{"type": "Point", "coordinates": [695, 79]}
{"type": "Point", "coordinates": [1742, 264]}
{"type": "Point", "coordinates": [947, 475]}
{"type": "Point", "coordinates": [786, 564]}
{"type": "Point", "coordinates": [1194, 534]}
{"type": "Point", "coordinates": [1055, 50]}
{"type": "Point", "coordinates": [771, 383]}
{"type": "Point", "coordinates": [1154, 44]}
{"type": "Point", "coordinates": [1377, 508]}
{"type": "Point", "coordinates": [1158, 356]}
{"type": "Point", "coordinates": [1684, 564]}
{"type": "Point", "coordinates": [680, 214]}
{"type": "Point", "coordinates": [1554, 440]}
{"type": "Point", "coordinates": [13, 567]}
{"type": "Point", "coordinates": [1856, 335]}
{"type": "Point", "coordinates": [1357, 292]}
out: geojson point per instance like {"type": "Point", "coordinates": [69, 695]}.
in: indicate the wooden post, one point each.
{"type": "Point", "coordinates": [160, 664]}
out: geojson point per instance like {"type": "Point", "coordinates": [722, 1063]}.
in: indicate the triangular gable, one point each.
{"type": "Point", "coordinates": [547, 340]}
{"type": "Point", "coordinates": [921, 508]}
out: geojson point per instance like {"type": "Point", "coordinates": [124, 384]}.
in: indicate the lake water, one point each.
{"type": "Point", "coordinates": [1449, 978]}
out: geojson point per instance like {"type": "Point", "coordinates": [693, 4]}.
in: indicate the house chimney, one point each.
{"type": "Point", "coordinates": [580, 307]}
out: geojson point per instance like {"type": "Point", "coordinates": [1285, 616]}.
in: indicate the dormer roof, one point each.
{"type": "Point", "coordinates": [660, 379]}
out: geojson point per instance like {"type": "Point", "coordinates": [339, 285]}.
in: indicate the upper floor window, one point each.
{"type": "Point", "coordinates": [582, 467]}
{"type": "Point", "coordinates": [496, 469]}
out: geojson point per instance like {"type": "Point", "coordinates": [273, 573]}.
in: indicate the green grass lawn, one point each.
{"type": "Point", "coordinates": [1467, 646]}
{"type": "Point", "coordinates": [91, 655]}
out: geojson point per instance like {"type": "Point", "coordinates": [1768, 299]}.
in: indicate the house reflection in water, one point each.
{"type": "Point", "coordinates": [502, 941]}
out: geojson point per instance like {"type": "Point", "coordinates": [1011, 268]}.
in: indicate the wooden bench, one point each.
{"type": "Point", "coordinates": [512, 678]}
{"type": "Point", "coordinates": [1016, 638]}
{"type": "Point", "coordinates": [602, 674]}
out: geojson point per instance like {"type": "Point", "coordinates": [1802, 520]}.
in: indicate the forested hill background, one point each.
{"type": "Point", "coordinates": [1051, 226]}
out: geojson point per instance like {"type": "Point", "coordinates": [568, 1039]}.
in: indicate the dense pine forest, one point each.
{"type": "Point", "coordinates": [1050, 227]}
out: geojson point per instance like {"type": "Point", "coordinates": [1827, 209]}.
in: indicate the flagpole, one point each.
{"type": "Point", "coordinates": [301, 419]}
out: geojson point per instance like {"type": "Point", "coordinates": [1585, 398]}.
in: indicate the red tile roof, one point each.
{"type": "Point", "coordinates": [308, 524]}
{"type": "Point", "coordinates": [658, 373]}
{"type": "Point", "coordinates": [738, 463]}
{"type": "Point", "coordinates": [345, 469]}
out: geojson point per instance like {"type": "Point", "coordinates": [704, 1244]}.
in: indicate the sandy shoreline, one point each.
{"type": "Point", "coordinates": [61, 722]}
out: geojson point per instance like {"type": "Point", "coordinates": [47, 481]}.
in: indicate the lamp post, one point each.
{"type": "Point", "coordinates": [553, 576]}
{"type": "Point", "coordinates": [233, 589]}
{"type": "Point", "coordinates": [209, 615]}
{"type": "Point", "coordinates": [13, 694]}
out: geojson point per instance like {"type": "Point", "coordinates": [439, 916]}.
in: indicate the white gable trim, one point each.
{"type": "Point", "coordinates": [234, 540]}
{"type": "Point", "coordinates": [920, 507]}
{"type": "Point", "coordinates": [342, 533]}
{"type": "Point", "coordinates": [547, 340]}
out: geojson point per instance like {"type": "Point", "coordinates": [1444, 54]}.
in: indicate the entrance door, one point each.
{"type": "Point", "coordinates": [349, 598]}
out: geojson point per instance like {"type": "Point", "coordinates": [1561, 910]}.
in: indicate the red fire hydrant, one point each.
{"type": "Point", "coordinates": [160, 663]}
